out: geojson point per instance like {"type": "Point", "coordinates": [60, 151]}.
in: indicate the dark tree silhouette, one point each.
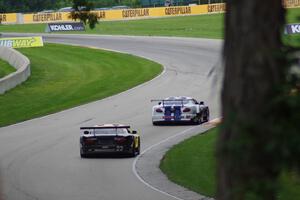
{"type": "Point", "coordinates": [82, 12]}
{"type": "Point", "coordinates": [255, 71]}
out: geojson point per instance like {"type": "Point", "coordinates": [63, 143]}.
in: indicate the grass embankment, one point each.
{"type": "Point", "coordinates": [5, 68]}
{"type": "Point", "coordinates": [293, 16]}
{"type": "Point", "coordinates": [66, 76]}
{"type": "Point", "coordinates": [205, 26]}
{"type": "Point", "coordinates": [192, 164]}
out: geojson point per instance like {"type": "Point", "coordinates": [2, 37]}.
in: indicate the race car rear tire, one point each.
{"type": "Point", "coordinates": [139, 148]}
{"type": "Point", "coordinates": [206, 116]}
{"type": "Point", "coordinates": [154, 123]}
{"type": "Point", "coordinates": [82, 153]}
{"type": "Point", "coordinates": [135, 151]}
{"type": "Point", "coordinates": [197, 120]}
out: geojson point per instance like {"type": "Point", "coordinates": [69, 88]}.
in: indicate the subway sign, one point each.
{"type": "Point", "coordinates": [22, 42]}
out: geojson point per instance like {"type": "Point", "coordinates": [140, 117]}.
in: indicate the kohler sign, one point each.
{"type": "Point", "coordinates": [55, 27]}
{"type": "Point", "coordinates": [292, 29]}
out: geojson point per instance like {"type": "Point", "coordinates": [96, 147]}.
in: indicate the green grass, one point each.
{"type": "Point", "coordinates": [5, 68]}
{"type": "Point", "coordinates": [206, 26]}
{"type": "Point", "coordinates": [292, 16]}
{"type": "Point", "coordinates": [192, 164]}
{"type": "Point", "coordinates": [203, 26]}
{"type": "Point", "coordinates": [66, 76]}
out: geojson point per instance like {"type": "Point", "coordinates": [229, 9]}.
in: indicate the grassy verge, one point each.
{"type": "Point", "coordinates": [192, 164]}
{"type": "Point", "coordinates": [5, 68]}
{"type": "Point", "coordinates": [66, 76]}
{"type": "Point", "coordinates": [293, 16]}
{"type": "Point", "coordinates": [206, 26]}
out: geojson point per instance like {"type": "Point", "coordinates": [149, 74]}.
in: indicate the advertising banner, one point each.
{"type": "Point", "coordinates": [22, 42]}
{"type": "Point", "coordinates": [216, 8]}
{"type": "Point", "coordinates": [291, 3]}
{"type": "Point", "coordinates": [124, 14]}
{"type": "Point", "coordinates": [292, 29]}
{"type": "Point", "coordinates": [139, 13]}
{"type": "Point", "coordinates": [8, 18]}
{"type": "Point", "coordinates": [46, 17]}
{"type": "Point", "coordinates": [56, 27]}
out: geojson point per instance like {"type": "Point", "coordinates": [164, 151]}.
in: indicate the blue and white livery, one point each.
{"type": "Point", "coordinates": [179, 109]}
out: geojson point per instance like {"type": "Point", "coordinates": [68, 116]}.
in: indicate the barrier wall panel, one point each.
{"type": "Point", "coordinates": [20, 62]}
{"type": "Point", "coordinates": [46, 17]}
{"type": "Point", "coordinates": [8, 18]}
{"type": "Point", "coordinates": [291, 3]}
{"type": "Point", "coordinates": [151, 12]}
{"type": "Point", "coordinates": [125, 14]}
{"type": "Point", "coordinates": [216, 8]}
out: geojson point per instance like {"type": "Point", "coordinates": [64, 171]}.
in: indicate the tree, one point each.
{"type": "Point", "coordinates": [254, 145]}
{"type": "Point", "coordinates": [82, 12]}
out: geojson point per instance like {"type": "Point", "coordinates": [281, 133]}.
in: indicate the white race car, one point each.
{"type": "Point", "coordinates": [178, 110]}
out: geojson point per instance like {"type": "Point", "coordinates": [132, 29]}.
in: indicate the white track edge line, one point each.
{"type": "Point", "coordinates": [151, 147]}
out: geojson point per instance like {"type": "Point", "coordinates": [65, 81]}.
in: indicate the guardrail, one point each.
{"type": "Point", "coordinates": [18, 61]}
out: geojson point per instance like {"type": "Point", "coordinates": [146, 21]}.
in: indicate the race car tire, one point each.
{"type": "Point", "coordinates": [82, 153]}
{"type": "Point", "coordinates": [135, 151]}
{"type": "Point", "coordinates": [154, 123]}
{"type": "Point", "coordinates": [206, 116]}
{"type": "Point", "coordinates": [197, 120]}
{"type": "Point", "coordinates": [139, 148]}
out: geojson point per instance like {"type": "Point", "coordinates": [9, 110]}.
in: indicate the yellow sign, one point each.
{"type": "Point", "coordinates": [291, 3]}
{"type": "Point", "coordinates": [22, 42]}
{"type": "Point", "coordinates": [7, 18]}
{"type": "Point", "coordinates": [47, 17]}
{"type": "Point", "coordinates": [216, 8]}
{"type": "Point", "coordinates": [151, 12]}
{"type": "Point", "coordinates": [137, 13]}
{"type": "Point", "coordinates": [133, 13]}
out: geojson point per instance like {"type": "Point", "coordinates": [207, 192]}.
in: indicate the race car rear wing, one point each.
{"type": "Point", "coordinates": [103, 127]}
{"type": "Point", "coordinates": [173, 100]}
{"type": "Point", "coordinates": [94, 128]}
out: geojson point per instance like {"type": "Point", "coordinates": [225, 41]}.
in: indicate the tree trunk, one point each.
{"type": "Point", "coordinates": [254, 68]}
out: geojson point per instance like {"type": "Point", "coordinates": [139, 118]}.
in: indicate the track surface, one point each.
{"type": "Point", "coordinates": [40, 159]}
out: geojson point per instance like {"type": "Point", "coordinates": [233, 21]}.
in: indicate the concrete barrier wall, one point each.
{"type": "Point", "coordinates": [18, 61]}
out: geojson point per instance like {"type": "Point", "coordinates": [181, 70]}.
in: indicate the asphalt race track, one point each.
{"type": "Point", "coordinates": [40, 159]}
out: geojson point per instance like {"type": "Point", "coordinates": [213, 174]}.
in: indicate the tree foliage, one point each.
{"type": "Point", "coordinates": [29, 5]}
{"type": "Point", "coordinates": [82, 12]}
{"type": "Point", "coordinates": [39, 5]}
{"type": "Point", "coordinates": [260, 103]}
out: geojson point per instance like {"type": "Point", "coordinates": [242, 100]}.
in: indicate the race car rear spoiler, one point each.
{"type": "Point", "coordinates": [163, 101]}
{"type": "Point", "coordinates": [103, 127]}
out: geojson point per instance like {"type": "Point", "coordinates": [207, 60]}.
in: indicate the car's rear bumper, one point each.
{"type": "Point", "coordinates": [106, 150]}
{"type": "Point", "coordinates": [163, 119]}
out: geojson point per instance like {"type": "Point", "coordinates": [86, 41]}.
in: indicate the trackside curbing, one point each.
{"type": "Point", "coordinates": [18, 61]}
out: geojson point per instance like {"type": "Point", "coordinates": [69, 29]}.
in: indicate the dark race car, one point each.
{"type": "Point", "coordinates": [109, 138]}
